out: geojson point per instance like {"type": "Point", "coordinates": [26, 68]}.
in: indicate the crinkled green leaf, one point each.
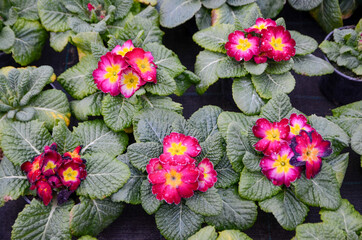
{"type": "Point", "coordinates": [348, 117]}
{"type": "Point", "coordinates": [328, 15]}
{"type": "Point", "coordinates": [347, 60]}
{"type": "Point", "coordinates": [165, 85]}
{"type": "Point", "coordinates": [268, 85]}
{"type": "Point", "coordinates": [64, 138]}
{"type": "Point", "coordinates": [176, 12]}
{"type": "Point", "coordinates": [232, 235]}
{"type": "Point", "coordinates": [185, 80]}
{"type": "Point", "coordinates": [177, 222]}
{"type": "Point", "coordinates": [270, 8]}
{"type": "Point", "coordinates": [91, 216]}
{"type": "Point", "coordinates": [277, 108]}
{"type": "Point", "coordinates": [243, 16]}
{"type": "Point", "coordinates": [149, 202]}
{"type": "Point", "coordinates": [205, 233]}
{"type": "Point", "coordinates": [279, 67]}
{"type": "Point", "coordinates": [251, 162]}
{"type": "Point", "coordinates": [184, 127]}
{"type": "Point", "coordinates": [239, 2]}
{"type": "Point", "coordinates": [339, 165]}
{"type": "Point", "coordinates": [254, 68]}
{"type": "Point", "coordinates": [304, 5]}
{"type": "Point", "coordinates": [226, 118]}
{"type": "Point", "coordinates": [96, 137]}
{"type": "Point", "coordinates": [152, 101]}
{"type": "Point", "coordinates": [312, 231]}
{"type": "Point", "coordinates": [212, 148]}
{"type": "Point", "coordinates": [331, 49]}
{"type": "Point", "coordinates": [140, 154]}
{"type": "Point", "coordinates": [85, 40]}
{"type": "Point", "coordinates": [229, 67]}
{"type": "Point", "coordinates": [59, 40]}
{"type": "Point", "coordinates": [26, 9]}
{"type": "Point", "coordinates": [286, 208]}
{"type": "Point", "coordinates": [226, 176]}
{"type": "Point", "coordinates": [236, 212]}
{"type": "Point", "coordinates": [7, 38]}
{"type": "Point", "coordinates": [311, 65]}
{"type": "Point", "coordinates": [38, 222]}
{"type": "Point", "coordinates": [211, 4]}
{"type": "Point", "coordinates": [53, 15]}
{"type": "Point", "coordinates": [88, 106]}
{"type": "Point", "coordinates": [105, 175]}
{"type": "Point", "coordinates": [356, 140]}
{"type": "Point", "coordinates": [203, 18]}
{"type": "Point", "coordinates": [207, 203]}
{"type": "Point", "coordinates": [25, 114]}
{"type": "Point", "coordinates": [214, 38]}
{"type": "Point", "coordinates": [122, 8]}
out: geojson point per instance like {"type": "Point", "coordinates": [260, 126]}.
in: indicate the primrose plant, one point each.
{"type": "Point", "coordinates": [259, 55]}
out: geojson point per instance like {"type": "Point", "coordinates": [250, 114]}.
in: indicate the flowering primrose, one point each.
{"type": "Point", "coordinates": [143, 63]}
{"type": "Point", "coordinates": [309, 148]}
{"type": "Point", "coordinates": [277, 167]}
{"type": "Point", "coordinates": [241, 47]}
{"type": "Point", "coordinates": [207, 177]}
{"type": "Point", "coordinates": [261, 24]}
{"type": "Point", "coordinates": [298, 123]}
{"type": "Point", "coordinates": [130, 82]}
{"type": "Point", "coordinates": [125, 48]}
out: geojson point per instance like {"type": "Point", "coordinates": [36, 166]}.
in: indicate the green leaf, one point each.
{"type": "Point", "coordinates": [203, 18]}
{"type": "Point", "coordinates": [97, 138]}
{"type": "Point", "coordinates": [205, 233]}
{"type": "Point", "coordinates": [211, 4]}
{"type": "Point", "coordinates": [268, 85]}
{"type": "Point", "coordinates": [339, 165]}
{"type": "Point", "coordinates": [246, 15]}
{"type": "Point", "coordinates": [345, 218]}
{"type": "Point", "coordinates": [331, 49]}
{"type": "Point", "coordinates": [245, 96]}
{"type": "Point", "coordinates": [59, 40]}
{"type": "Point", "coordinates": [311, 65]}
{"type": "Point", "coordinates": [177, 222]}
{"type": "Point", "coordinates": [304, 5]}
{"type": "Point", "coordinates": [153, 101]}
{"type": "Point", "coordinates": [356, 140]}
{"type": "Point", "coordinates": [358, 70]}
{"type": "Point", "coordinates": [270, 8]}
{"type": "Point", "coordinates": [255, 186]}
{"type": "Point", "coordinates": [328, 15]}
{"type": "Point", "coordinates": [118, 111]}
{"type": "Point", "coordinates": [176, 12]}
{"type": "Point", "coordinates": [53, 15]}
{"type": "Point", "coordinates": [78, 80]}
{"type": "Point", "coordinates": [233, 235]}
{"type": "Point", "coordinates": [226, 118]}
{"type": "Point", "coordinates": [64, 138]}
{"type": "Point", "coordinates": [51, 105]}
{"type": "Point", "coordinates": [130, 192]}
{"type": "Point", "coordinates": [23, 141]}
{"type": "Point", "coordinates": [87, 237]}
{"type": "Point", "coordinates": [348, 117]}
{"type": "Point", "coordinates": [251, 162]}
{"type": "Point", "coordinates": [312, 231]}
{"type": "Point", "coordinates": [207, 203]}
{"type": "Point", "coordinates": [214, 38]}
{"type": "Point", "coordinates": [85, 40]}
{"type": "Point", "coordinates": [26, 9]}
{"type": "Point", "coordinates": [229, 67]}
{"type": "Point", "coordinates": [286, 208]}
{"type": "Point", "coordinates": [7, 38]}
{"type": "Point", "coordinates": [88, 106]}
{"type": "Point", "coordinates": [29, 41]}
{"type": "Point", "coordinates": [122, 8]}
{"type": "Point", "coordinates": [226, 176]}
{"type": "Point", "coordinates": [277, 108]}
{"type": "Point", "coordinates": [347, 60]}
{"type": "Point", "coordinates": [184, 81]}
{"type": "Point", "coordinates": [236, 212]}
{"type": "Point", "coordinates": [149, 202]}
{"type": "Point", "coordinates": [13, 182]}
{"type": "Point", "coordinates": [90, 216]}
{"type": "Point", "coordinates": [320, 191]}
{"type": "Point", "coordinates": [38, 222]}
{"type": "Point", "coordinates": [206, 68]}
{"type": "Point", "coordinates": [105, 175]}
{"type": "Point", "coordinates": [279, 67]}
{"type": "Point", "coordinates": [212, 148]}
{"type": "Point", "coordinates": [140, 154]}
{"type": "Point", "coordinates": [165, 85]}
{"type": "Point", "coordinates": [239, 2]}
{"type": "Point", "coordinates": [254, 68]}
{"type": "Point", "coordinates": [25, 114]}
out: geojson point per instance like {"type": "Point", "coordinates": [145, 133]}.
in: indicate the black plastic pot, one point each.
{"type": "Point", "coordinates": [338, 87]}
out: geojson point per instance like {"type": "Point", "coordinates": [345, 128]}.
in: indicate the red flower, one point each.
{"type": "Point", "coordinates": [179, 149]}
{"type": "Point", "coordinates": [44, 191]}
{"type": "Point", "coordinates": [277, 43]}
{"type": "Point", "coordinates": [172, 183]}
{"type": "Point", "coordinates": [154, 165]}
{"type": "Point", "coordinates": [261, 58]}
{"type": "Point", "coordinates": [51, 160]}
{"type": "Point", "coordinates": [71, 174]}
{"type": "Point", "coordinates": [55, 182]}
{"type": "Point", "coordinates": [241, 47]}
{"type": "Point", "coordinates": [272, 134]}
{"type": "Point", "coordinates": [208, 175]}
{"type": "Point", "coordinates": [75, 155]}
{"type": "Point", "coordinates": [90, 7]}
{"type": "Point", "coordinates": [142, 62]}
{"type": "Point", "coordinates": [298, 123]}
{"type": "Point", "coordinates": [261, 24]}
{"type": "Point", "coordinates": [33, 168]}
{"type": "Point", "coordinates": [277, 167]}
{"type": "Point", "coordinates": [309, 148]}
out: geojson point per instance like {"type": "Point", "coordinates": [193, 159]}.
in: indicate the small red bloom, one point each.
{"type": "Point", "coordinates": [75, 155]}
{"type": "Point", "coordinates": [55, 182]}
{"type": "Point", "coordinates": [174, 182]}
{"type": "Point", "coordinates": [241, 47]}
{"type": "Point", "coordinates": [71, 174]}
{"type": "Point", "coordinates": [309, 148]}
{"type": "Point", "coordinates": [277, 167]}
{"type": "Point", "coordinates": [272, 134]}
{"type": "Point", "coordinates": [261, 24]}
{"type": "Point", "coordinates": [154, 165]}
{"type": "Point", "coordinates": [90, 7]}
{"type": "Point", "coordinates": [208, 175]}
{"type": "Point", "coordinates": [142, 62]}
{"type": "Point", "coordinates": [130, 82]}
{"type": "Point", "coordinates": [33, 169]}
{"type": "Point", "coordinates": [52, 160]}
{"type": "Point", "coordinates": [125, 48]}
{"type": "Point", "coordinates": [261, 58]}
{"type": "Point", "coordinates": [277, 43]}
{"type": "Point", "coordinates": [179, 149]}
{"type": "Point", "coordinates": [44, 191]}
{"type": "Point", "coordinates": [298, 123]}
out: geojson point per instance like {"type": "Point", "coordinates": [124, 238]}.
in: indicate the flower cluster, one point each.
{"type": "Point", "coordinates": [98, 11]}
{"type": "Point", "coordinates": [289, 146]}
{"type": "Point", "coordinates": [174, 174]}
{"type": "Point", "coordinates": [262, 41]}
{"type": "Point", "coordinates": [124, 70]}
{"type": "Point", "coordinates": [50, 171]}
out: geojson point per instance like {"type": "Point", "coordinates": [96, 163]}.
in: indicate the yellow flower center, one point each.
{"type": "Point", "coordinates": [131, 80]}
{"type": "Point", "coordinates": [124, 51]}
{"type": "Point", "coordinates": [295, 129]}
{"type": "Point", "coordinates": [50, 165]}
{"type": "Point", "coordinates": [112, 73]}
{"type": "Point", "coordinates": [282, 164]}
{"type": "Point", "coordinates": [173, 178]}
{"type": "Point", "coordinates": [70, 174]}
{"type": "Point", "coordinates": [277, 44]}
{"type": "Point", "coordinates": [273, 134]}
{"type": "Point", "coordinates": [74, 154]}
{"type": "Point", "coordinates": [260, 27]}
{"type": "Point", "coordinates": [310, 154]}
{"type": "Point", "coordinates": [36, 166]}
{"type": "Point", "coordinates": [177, 149]}
{"type": "Point", "coordinates": [143, 64]}
{"type": "Point", "coordinates": [243, 45]}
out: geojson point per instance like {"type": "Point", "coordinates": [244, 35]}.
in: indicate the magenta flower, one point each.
{"type": "Point", "coordinates": [298, 123]}
{"type": "Point", "coordinates": [261, 58]}
{"type": "Point", "coordinates": [130, 82]}
{"type": "Point", "coordinates": [90, 7]}
{"type": "Point", "coordinates": [142, 62]}
{"type": "Point", "coordinates": [309, 148]}
{"type": "Point", "coordinates": [277, 167]}
{"type": "Point", "coordinates": [241, 47]}
{"type": "Point", "coordinates": [125, 48]}
{"type": "Point", "coordinates": [208, 175]}
{"type": "Point", "coordinates": [261, 24]}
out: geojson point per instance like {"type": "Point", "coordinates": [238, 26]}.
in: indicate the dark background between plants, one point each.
{"type": "Point", "coordinates": [134, 223]}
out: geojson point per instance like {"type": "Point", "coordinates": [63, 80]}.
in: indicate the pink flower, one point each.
{"type": "Point", "coordinates": [208, 175]}
{"type": "Point", "coordinates": [142, 62]}
{"type": "Point", "coordinates": [272, 134]}
{"type": "Point", "coordinates": [241, 47]}
{"type": "Point", "coordinates": [106, 76]}
{"type": "Point", "coordinates": [179, 149]}
{"type": "Point", "coordinates": [298, 123]}
{"type": "Point", "coordinates": [261, 58]}
{"type": "Point", "coordinates": [277, 43]}
{"type": "Point", "coordinates": [277, 167]}
{"type": "Point", "coordinates": [154, 165]}
{"type": "Point", "coordinates": [309, 148]}
{"type": "Point", "coordinates": [172, 183]}
{"type": "Point", "coordinates": [90, 7]}
{"type": "Point", "coordinates": [261, 24]}
{"type": "Point", "coordinates": [125, 48]}
{"type": "Point", "coordinates": [130, 82]}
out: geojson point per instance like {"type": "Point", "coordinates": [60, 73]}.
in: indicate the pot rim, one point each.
{"type": "Point", "coordinates": [335, 69]}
